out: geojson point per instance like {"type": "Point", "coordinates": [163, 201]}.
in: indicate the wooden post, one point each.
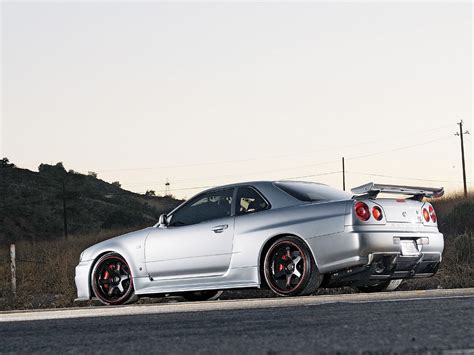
{"type": "Point", "coordinates": [13, 268]}
{"type": "Point", "coordinates": [64, 210]}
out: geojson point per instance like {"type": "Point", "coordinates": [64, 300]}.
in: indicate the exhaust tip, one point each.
{"type": "Point", "coordinates": [379, 267]}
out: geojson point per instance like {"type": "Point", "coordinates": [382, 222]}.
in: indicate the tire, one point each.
{"type": "Point", "coordinates": [112, 281]}
{"type": "Point", "coordinates": [211, 295]}
{"type": "Point", "coordinates": [289, 268]}
{"type": "Point", "coordinates": [388, 285]}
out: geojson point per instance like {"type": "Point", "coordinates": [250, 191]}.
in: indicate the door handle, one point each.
{"type": "Point", "coordinates": [219, 229]}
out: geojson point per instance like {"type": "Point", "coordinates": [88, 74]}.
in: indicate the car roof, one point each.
{"type": "Point", "coordinates": [274, 195]}
{"type": "Point", "coordinates": [259, 183]}
{"type": "Point", "coordinates": [277, 197]}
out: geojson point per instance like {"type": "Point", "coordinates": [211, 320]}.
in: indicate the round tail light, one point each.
{"type": "Point", "coordinates": [426, 215]}
{"type": "Point", "coordinates": [362, 211]}
{"type": "Point", "coordinates": [433, 214]}
{"type": "Point", "coordinates": [377, 213]}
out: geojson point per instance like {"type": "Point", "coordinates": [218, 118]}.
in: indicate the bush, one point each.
{"type": "Point", "coordinates": [460, 220]}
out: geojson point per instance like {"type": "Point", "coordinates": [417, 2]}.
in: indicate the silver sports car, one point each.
{"type": "Point", "coordinates": [291, 237]}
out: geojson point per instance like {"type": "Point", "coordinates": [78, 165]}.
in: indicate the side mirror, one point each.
{"type": "Point", "coordinates": [163, 220]}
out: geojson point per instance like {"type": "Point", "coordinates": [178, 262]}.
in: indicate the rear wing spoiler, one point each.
{"type": "Point", "coordinates": [372, 190]}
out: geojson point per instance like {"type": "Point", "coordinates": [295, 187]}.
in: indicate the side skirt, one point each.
{"type": "Point", "coordinates": [234, 278]}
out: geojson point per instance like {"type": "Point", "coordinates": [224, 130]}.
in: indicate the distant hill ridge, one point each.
{"type": "Point", "coordinates": [31, 204]}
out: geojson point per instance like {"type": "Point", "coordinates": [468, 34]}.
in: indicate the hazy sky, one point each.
{"type": "Point", "coordinates": [211, 93]}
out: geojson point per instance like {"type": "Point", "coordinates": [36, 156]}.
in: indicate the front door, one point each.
{"type": "Point", "coordinates": [197, 241]}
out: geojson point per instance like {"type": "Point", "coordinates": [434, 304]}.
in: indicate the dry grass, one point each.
{"type": "Point", "coordinates": [457, 267]}
{"type": "Point", "coordinates": [45, 270]}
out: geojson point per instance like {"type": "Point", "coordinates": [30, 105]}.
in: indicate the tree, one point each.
{"type": "Point", "coordinates": [53, 170]}
{"type": "Point", "coordinates": [150, 193]}
{"type": "Point", "coordinates": [5, 163]}
{"type": "Point", "coordinates": [91, 173]}
{"type": "Point", "coordinates": [116, 183]}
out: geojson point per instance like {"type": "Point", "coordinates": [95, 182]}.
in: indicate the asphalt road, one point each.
{"type": "Point", "coordinates": [413, 322]}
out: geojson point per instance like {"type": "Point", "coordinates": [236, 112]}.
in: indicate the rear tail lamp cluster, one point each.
{"type": "Point", "coordinates": [377, 213]}
{"type": "Point", "coordinates": [429, 214]}
{"type": "Point", "coordinates": [362, 212]}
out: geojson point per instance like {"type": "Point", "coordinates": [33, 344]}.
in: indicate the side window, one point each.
{"type": "Point", "coordinates": [249, 201]}
{"type": "Point", "coordinates": [212, 205]}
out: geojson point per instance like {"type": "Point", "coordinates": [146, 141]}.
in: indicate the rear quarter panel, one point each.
{"type": "Point", "coordinates": [312, 222]}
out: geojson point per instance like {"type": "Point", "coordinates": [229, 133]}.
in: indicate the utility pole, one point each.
{"type": "Point", "coordinates": [343, 175]}
{"type": "Point", "coordinates": [64, 209]}
{"type": "Point", "coordinates": [460, 134]}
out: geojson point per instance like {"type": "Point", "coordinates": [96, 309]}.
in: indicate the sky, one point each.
{"type": "Point", "coordinates": [204, 94]}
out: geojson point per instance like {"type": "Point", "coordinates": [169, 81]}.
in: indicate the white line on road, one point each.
{"type": "Point", "coordinates": [164, 308]}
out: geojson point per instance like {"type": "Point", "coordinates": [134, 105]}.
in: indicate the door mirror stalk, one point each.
{"type": "Point", "coordinates": [163, 220]}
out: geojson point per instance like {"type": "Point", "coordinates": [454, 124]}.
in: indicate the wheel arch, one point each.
{"type": "Point", "coordinates": [266, 246]}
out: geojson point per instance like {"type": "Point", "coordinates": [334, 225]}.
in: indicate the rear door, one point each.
{"type": "Point", "coordinates": [197, 241]}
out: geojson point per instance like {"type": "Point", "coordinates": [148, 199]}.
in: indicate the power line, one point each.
{"type": "Point", "coordinates": [193, 188]}
{"type": "Point", "coordinates": [402, 177]}
{"type": "Point", "coordinates": [397, 149]}
{"type": "Point", "coordinates": [29, 203]}
{"type": "Point", "coordinates": [297, 167]}
{"type": "Point", "coordinates": [71, 197]}
{"type": "Point", "coordinates": [239, 175]}
{"type": "Point", "coordinates": [285, 178]}
{"type": "Point", "coordinates": [313, 175]}
{"type": "Point", "coordinates": [326, 148]}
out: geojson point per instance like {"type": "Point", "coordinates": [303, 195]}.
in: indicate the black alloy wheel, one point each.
{"type": "Point", "coordinates": [112, 280]}
{"type": "Point", "coordinates": [289, 268]}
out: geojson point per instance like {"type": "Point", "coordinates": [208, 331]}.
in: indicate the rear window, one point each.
{"type": "Point", "coordinates": [311, 192]}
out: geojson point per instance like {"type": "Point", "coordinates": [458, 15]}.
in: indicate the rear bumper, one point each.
{"type": "Point", "coordinates": [82, 280]}
{"type": "Point", "coordinates": [389, 267]}
{"type": "Point", "coordinates": [354, 249]}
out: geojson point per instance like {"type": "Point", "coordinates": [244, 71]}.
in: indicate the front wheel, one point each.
{"type": "Point", "coordinates": [387, 285]}
{"type": "Point", "coordinates": [112, 280]}
{"type": "Point", "coordinates": [202, 295]}
{"type": "Point", "coordinates": [289, 268]}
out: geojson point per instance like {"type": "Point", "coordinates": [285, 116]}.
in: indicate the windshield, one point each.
{"type": "Point", "coordinates": [312, 192]}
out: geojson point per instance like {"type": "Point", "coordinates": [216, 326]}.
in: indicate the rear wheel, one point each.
{"type": "Point", "coordinates": [289, 268]}
{"type": "Point", "coordinates": [202, 295]}
{"type": "Point", "coordinates": [112, 280]}
{"type": "Point", "coordinates": [387, 285]}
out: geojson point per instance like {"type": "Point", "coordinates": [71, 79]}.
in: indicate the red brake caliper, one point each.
{"type": "Point", "coordinates": [281, 267]}
{"type": "Point", "coordinates": [106, 276]}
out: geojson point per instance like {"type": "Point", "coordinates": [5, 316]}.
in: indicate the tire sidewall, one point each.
{"type": "Point", "coordinates": [308, 266]}
{"type": "Point", "coordinates": [384, 286]}
{"type": "Point", "coordinates": [126, 297]}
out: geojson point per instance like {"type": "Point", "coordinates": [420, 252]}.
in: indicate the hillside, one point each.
{"type": "Point", "coordinates": [31, 204]}
{"type": "Point", "coordinates": [32, 209]}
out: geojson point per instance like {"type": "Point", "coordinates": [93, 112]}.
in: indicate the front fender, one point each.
{"type": "Point", "coordinates": [130, 246]}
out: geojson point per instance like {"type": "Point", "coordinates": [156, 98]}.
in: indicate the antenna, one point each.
{"type": "Point", "coordinates": [167, 188]}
